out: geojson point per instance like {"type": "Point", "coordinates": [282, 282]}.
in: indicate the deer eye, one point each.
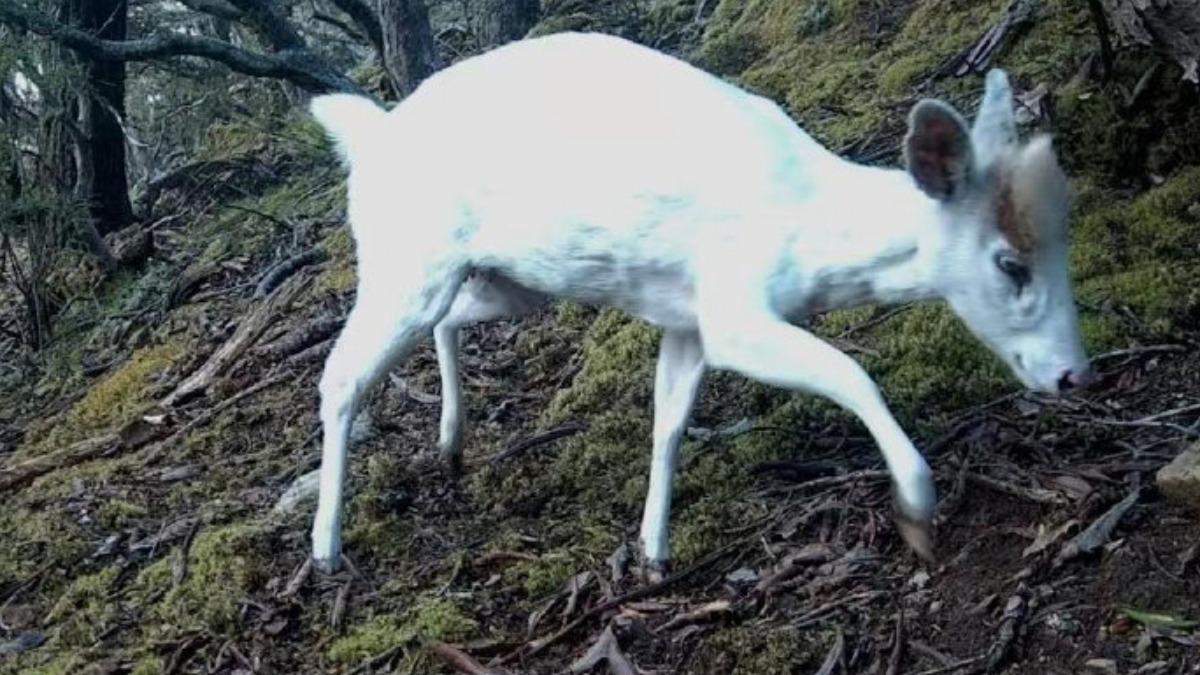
{"type": "Point", "coordinates": [1014, 269]}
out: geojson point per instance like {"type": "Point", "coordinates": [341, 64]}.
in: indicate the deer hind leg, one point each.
{"type": "Point", "coordinates": [484, 296]}
{"type": "Point", "coordinates": [393, 312]}
{"type": "Point", "coordinates": [677, 378]}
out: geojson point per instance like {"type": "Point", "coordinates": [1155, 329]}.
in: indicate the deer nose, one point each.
{"type": "Point", "coordinates": [1075, 379]}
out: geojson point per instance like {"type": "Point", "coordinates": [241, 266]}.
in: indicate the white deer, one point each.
{"type": "Point", "coordinates": [589, 168]}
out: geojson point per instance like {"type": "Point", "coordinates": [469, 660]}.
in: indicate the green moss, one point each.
{"type": "Point", "coordinates": [112, 401]}
{"type": "Point", "coordinates": [759, 650]}
{"type": "Point", "coordinates": [118, 396]}
{"type": "Point", "coordinates": [150, 665]}
{"type": "Point", "coordinates": [37, 536]}
{"type": "Point", "coordinates": [65, 664]}
{"type": "Point", "coordinates": [1139, 256]}
{"type": "Point", "coordinates": [543, 577]}
{"type": "Point", "coordinates": [430, 619]}
{"type": "Point", "coordinates": [1094, 136]}
{"type": "Point", "coordinates": [340, 275]}
{"type": "Point", "coordinates": [928, 355]}
{"type": "Point", "coordinates": [905, 72]}
{"type": "Point", "coordinates": [117, 513]}
{"type": "Point", "coordinates": [224, 566]}
{"type": "Point", "coordinates": [85, 610]}
{"type": "Point", "coordinates": [618, 350]}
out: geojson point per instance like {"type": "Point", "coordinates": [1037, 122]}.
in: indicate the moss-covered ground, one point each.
{"type": "Point", "coordinates": [168, 557]}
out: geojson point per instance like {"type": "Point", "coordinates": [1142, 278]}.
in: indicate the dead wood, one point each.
{"type": "Point", "coordinates": [251, 328]}
{"type": "Point", "coordinates": [853, 476]}
{"type": "Point", "coordinates": [132, 246]}
{"type": "Point", "coordinates": [284, 269]}
{"type": "Point", "coordinates": [1169, 27]}
{"type": "Point", "coordinates": [794, 564]}
{"type": "Point", "coordinates": [607, 650]}
{"type": "Point", "coordinates": [1036, 495]}
{"type": "Point", "coordinates": [979, 56]}
{"type": "Point", "coordinates": [537, 646]}
{"type": "Point", "coordinates": [813, 616]}
{"type": "Point", "coordinates": [705, 612]}
{"type": "Point", "coordinates": [207, 415]}
{"type": "Point", "coordinates": [501, 558]}
{"type": "Point", "coordinates": [298, 339]}
{"type": "Point", "coordinates": [184, 653]}
{"type": "Point", "coordinates": [411, 391]}
{"type": "Point", "coordinates": [459, 660]}
{"type": "Point", "coordinates": [20, 474]}
{"type": "Point", "coordinates": [1016, 611]}
{"type": "Point", "coordinates": [338, 613]}
{"type": "Point", "coordinates": [834, 658]}
{"type": "Point", "coordinates": [1097, 534]}
{"type": "Point", "coordinates": [179, 566]}
{"type": "Point", "coordinates": [897, 646]}
{"type": "Point", "coordinates": [539, 439]}
{"type": "Point", "coordinates": [298, 579]}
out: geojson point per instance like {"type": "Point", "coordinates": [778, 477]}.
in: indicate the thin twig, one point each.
{"type": "Point", "coordinates": [207, 415]}
{"type": "Point", "coordinates": [1137, 351]}
{"type": "Point", "coordinates": [540, 644]}
{"type": "Point", "coordinates": [539, 439]}
{"type": "Point", "coordinates": [1037, 495]}
{"type": "Point", "coordinates": [898, 648]}
{"type": "Point", "coordinates": [459, 660]}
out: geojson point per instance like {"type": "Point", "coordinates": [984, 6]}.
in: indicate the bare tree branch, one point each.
{"type": "Point", "coordinates": [344, 26]}
{"type": "Point", "coordinates": [365, 17]}
{"type": "Point", "coordinates": [265, 18]}
{"type": "Point", "coordinates": [293, 62]}
{"type": "Point", "coordinates": [218, 8]}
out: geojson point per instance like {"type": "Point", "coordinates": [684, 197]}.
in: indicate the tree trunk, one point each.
{"type": "Point", "coordinates": [1169, 27]}
{"type": "Point", "coordinates": [503, 21]}
{"type": "Point", "coordinates": [408, 51]}
{"type": "Point", "coordinates": [102, 111]}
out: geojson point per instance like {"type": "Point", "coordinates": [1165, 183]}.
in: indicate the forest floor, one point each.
{"type": "Point", "coordinates": [144, 453]}
{"type": "Point", "coordinates": [172, 565]}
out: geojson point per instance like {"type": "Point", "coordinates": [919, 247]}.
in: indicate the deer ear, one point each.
{"type": "Point", "coordinates": [995, 127]}
{"type": "Point", "coordinates": [938, 150]}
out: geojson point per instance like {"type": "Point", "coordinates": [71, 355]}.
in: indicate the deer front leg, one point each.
{"type": "Point", "coordinates": [677, 377]}
{"type": "Point", "coordinates": [766, 348]}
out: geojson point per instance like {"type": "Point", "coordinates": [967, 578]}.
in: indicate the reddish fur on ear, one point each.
{"type": "Point", "coordinates": [937, 149]}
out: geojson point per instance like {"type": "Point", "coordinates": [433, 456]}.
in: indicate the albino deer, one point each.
{"type": "Point", "coordinates": [590, 168]}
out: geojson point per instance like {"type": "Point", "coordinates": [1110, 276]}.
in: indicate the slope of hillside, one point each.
{"type": "Point", "coordinates": [143, 538]}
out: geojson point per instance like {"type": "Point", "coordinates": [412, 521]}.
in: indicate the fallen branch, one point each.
{"type": "Point", "coordinates": [536, 646]}
{"type": "Point", "coordinates": [459, 660]}
{"type": "Point", "coordinates": [280, 272]}
{"type": "Point", "coordinates": [1097, 534]}
{"type": "Point", "coordinates": [207, 415]}
{"type": "Point", "coordinates": [539, 439]}
{"type": "Point", "coordinates": [1036, 495]}
{"type": "Point", "coordinates": [22, 473]}
{"type": "Point", "coordinates": [836, 652]}
{"type": "Point", "coordinates": [340, 601]}
{"type": "Point", "coordinates": [1016, 611]}
{"type": "Point", "coordinates": [702, 613]}
{"type": "Point", "coordinates": [977, 57]}
{"type": "Point", "coordinates": [812, 616]}
{"type": "Point", "coordinates": [251, 328]}
{"type": "Point", "coordinates": [1138, 351]}
{"type": "Point", "coordinates": [605, 649]}
{"type": "Point", "coordinates": [898, 647]}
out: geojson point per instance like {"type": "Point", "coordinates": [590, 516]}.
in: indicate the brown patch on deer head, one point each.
{"type": "Point", "coordinates": [1033, 197]}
